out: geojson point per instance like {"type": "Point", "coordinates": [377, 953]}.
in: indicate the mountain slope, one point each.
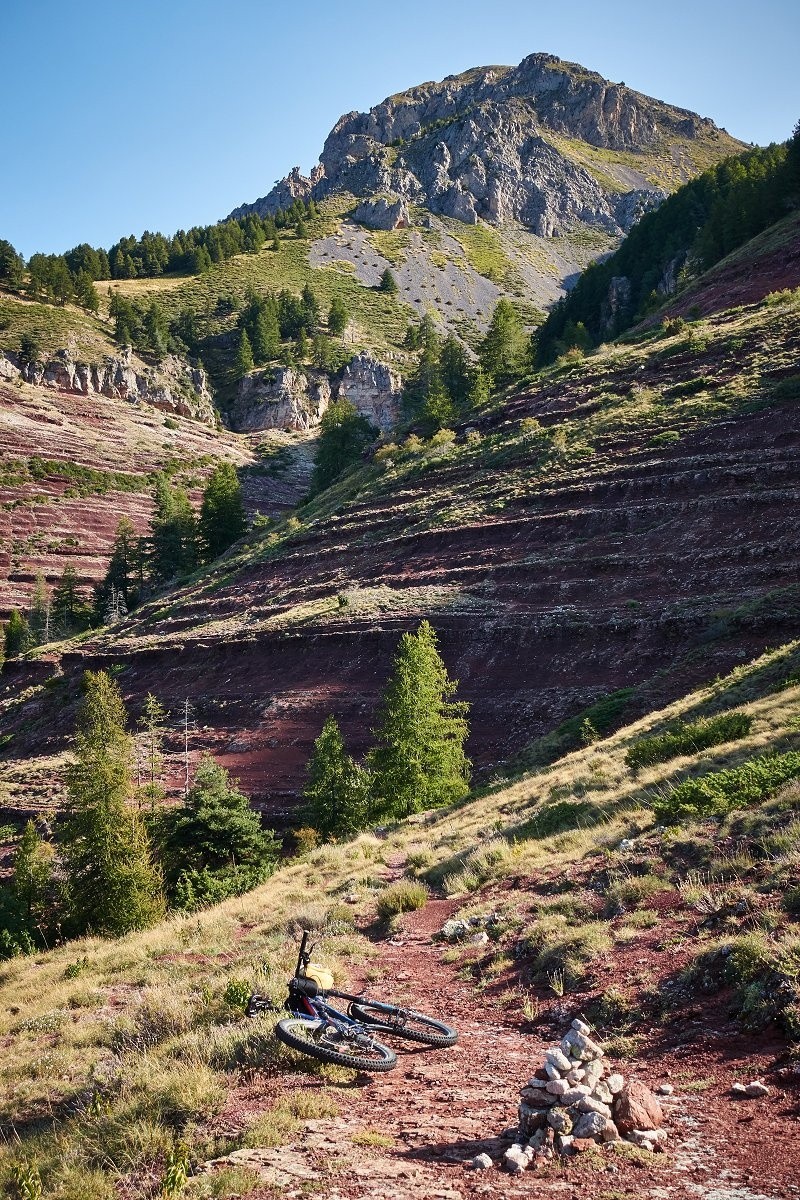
{"type": "Point", "coordinates": [116, 1052]}
{"type": "Point", "coordinates": [547, 143]}
{"type": "Point", "coordinates": [625, 521]}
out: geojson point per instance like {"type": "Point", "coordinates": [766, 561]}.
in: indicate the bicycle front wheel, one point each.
{"type": "Point", "coordinates": [404, 1023]}
{"type": "Point", "coordinates": [321, 1040]}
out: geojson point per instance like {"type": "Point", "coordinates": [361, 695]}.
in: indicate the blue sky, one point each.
{"type": "Point", "coordinates": [160, 115]}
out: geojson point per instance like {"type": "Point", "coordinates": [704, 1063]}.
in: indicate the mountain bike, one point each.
{"type": "Point", "coordinates": [319, 1029]}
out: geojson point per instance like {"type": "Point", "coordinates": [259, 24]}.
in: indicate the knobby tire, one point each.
{"type": "Point", "coordinates": [412, 1025]}
{"type": "Point", "coordinates": [307, 1037]}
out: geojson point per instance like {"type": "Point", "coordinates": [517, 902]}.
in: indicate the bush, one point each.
{"type": "Point", "coordinates": [665, 439]}
{"type": "Point", "coordinates": [237, 993]}
{"type": "Point", "coordinates": [630, 891]}
{"type": "Point", "coordinates": [765, 975]}
{"type": "Point", "coordinates": [791, 901]}
{"type": "Point", "coordinates": [689, 739]}
{"type": "Point", "coordinates": [723, 791]}
{"type": "Point", "coordinates": [564, 950]}
{"type": "Point", "coordinates": [405, 896]}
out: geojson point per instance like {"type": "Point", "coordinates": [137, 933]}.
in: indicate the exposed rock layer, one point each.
{"type": "Point", "coordinates": [174, 386]}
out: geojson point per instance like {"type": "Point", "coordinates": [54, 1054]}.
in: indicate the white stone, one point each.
{"type": "Point", "coordinates": [576, 1075]}
{"type": "Point", "coordinates": [558, 1059]}
{"type": "Point", "coordinates": [665, 1089]}
{"type": "Point", "coordinates": [615, 1083]}
{"type": "Point", "coordinates": [481, 1162]}
{"type": "Point", "coordinates": [588, 1105]}
{"type": "Point", "coordinates": [590, 1125]}
{"type": "Point", "coordinates": [558, 1087]}
{"type": "Point", "coordinates": [756, 1089]}
{"type": "Point", "coordinates": [581, 1026]}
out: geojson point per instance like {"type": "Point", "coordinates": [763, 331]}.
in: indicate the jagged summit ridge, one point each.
{"type": "Point", "coordinates": [501, 144]}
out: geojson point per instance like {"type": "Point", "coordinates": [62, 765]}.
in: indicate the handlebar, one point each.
{"type": "Point", "coordinates": [304, 956]}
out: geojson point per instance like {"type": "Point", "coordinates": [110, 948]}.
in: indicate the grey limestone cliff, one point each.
{"type": "Point", "coordinates": [501, 143]}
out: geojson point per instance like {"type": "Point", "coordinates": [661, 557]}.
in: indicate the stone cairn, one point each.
{"type": "Point", "coordinates": [574, 1102]}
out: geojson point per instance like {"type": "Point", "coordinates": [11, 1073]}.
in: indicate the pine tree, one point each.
{"type": "Point", "coordinates": [388, 283]}
{"type": "Point", "coordinates": [215, 831]}
{"type": "Point", "coordinates": [71, 613]}
{"type": "Point", "coordinates": [479, 390]}
{"type": "Point", "coordinates": [18, 636]}
{"type": "Point", "coordinates": [113, 884]}
{"type": "Point", "coordinates": [419, 761]}
{"type": "Point", "coordinates": [343, 438]}
{"type": "Point", "coordinates": [337, 794]}
{"type": "Point", "coordinates": [222, 518]}
{"type": "Point", "coordinates": [40, 611]}
{"type": "Point", "coordinates": [173, 536]}
{"type": "Point", "coordinates": [124, 574]}
{"type": "Point", "coordinates": [456, 372]}
{"type": "Point", "coordinates": [32, 872]}
{"type": "Point", "coordinates": [148, 751]}
{"type": "Point", "coordinates": [265, 334]}
{"type": "Point", "coordinates": [338, 316]}
{"type": "Point", "coordinates": [300, 229]}
{"type": "Point", "coordinates": [503, 347]}
{"type": "Point", "coordinates": [244, 356]}
{"type": "Point", "coordinates": [311, 313]}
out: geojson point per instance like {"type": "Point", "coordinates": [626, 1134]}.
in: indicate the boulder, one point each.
{"type": "Point", "coordinates": [590, 1125]}
{"type": "Point", "coordinates": [383, 213]}
{"type": "Point", "coordinates": [636, 1107]}
{"type": "Point", "coordinates": [374, 389]}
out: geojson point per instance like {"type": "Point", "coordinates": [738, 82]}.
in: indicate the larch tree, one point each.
{"type": "Point", "coordinates": [222, 516]}
{"type": "Point", "coordinates": [419, 760]}
{"type": "Point", "coordinates": [337, 795]}
{"type": "Point", "coordinates": [113, 883]}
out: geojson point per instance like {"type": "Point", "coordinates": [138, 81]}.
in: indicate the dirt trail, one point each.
{"type": "Point", "coordinates": [417, 1128]}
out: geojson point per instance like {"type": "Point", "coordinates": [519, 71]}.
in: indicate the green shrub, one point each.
{"type": "Point", "coordinates": [401, 897]}
{"type": "Point", "coordinates": [787, 388]}
{"type": "Point", "coordinates": [791, 901]}
{"type": "Point", "coordinates": [237, 993]}
{"type": "Point", "coordinates": [689, 739]}
{"type": "Point", "coordinates": [564, 950]}
{"type": "Point", "coordinates": [665, 438]}
{"type": "Point", "coordinates": [631, 890]}
{"type": "Point", "coordinates": [722, 791]}
{"type": "Point", "coordinates": [764, 973]}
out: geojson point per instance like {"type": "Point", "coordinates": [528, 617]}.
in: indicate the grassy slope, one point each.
{"type": "Point", "coordinates": [112, 1050]}
{"type": "Point", "coordinates": [661, 384]}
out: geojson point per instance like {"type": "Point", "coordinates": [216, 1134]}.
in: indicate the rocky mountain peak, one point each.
{"type": "Point", "coordinates": [547, 143]}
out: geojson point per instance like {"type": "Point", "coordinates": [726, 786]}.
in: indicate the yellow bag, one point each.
{"type": "Point", "coordinates": [322, 976]}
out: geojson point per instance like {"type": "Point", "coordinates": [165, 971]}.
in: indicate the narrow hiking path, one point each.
{"type": "Point", "coordinates": [411, 1133]}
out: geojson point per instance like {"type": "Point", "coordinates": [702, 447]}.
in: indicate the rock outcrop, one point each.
{"type": "Point", "coordinates": [281, 398]}
{"type": "Point", "coordinates": [288, 398]}
{"type": "Point", "coordinates": [502, 143]}
{"type": "Point", "coordinates": [174, 386]}
{"type": "Point", "coordinates": [382, 214]}
{"type": "Point", "coordinates": [375, 390]}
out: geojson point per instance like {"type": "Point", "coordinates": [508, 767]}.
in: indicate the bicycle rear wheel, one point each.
{"type": "Point", "coordinates": [321, 1040]}
{"type": "Point", "coordinates": [403, 1022]}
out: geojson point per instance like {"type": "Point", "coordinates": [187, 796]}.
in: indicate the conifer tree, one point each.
{"type": "Point", "coordinates": [173, 532]}
{"type": "Point", "coordinates": [18, 636]}
{"type": "Point", "coordinates": [222, 518]}
{"type": "Point", "coordinates": [148, 750]}
{"type": "Point", "coordinates": [338, 316]}
{"type": "Point", "coordinates": [215, 835]}
{"type": "Point", "coordinates": [265, 333]}
{"type": "Point", "coordinates": [456, 372]}
{"type": "Point", "coordinates": [70, 611]}
{"type": "Point", "coordinates": [124, 574]}
{"type": "Point", "coordinates": [244, 356]}
{"type": "Point", "coordinates": [337, 795]}
{"type": "Point", "coordinates": [419, 761]}
{"type": "Point", "coordinates": [502, 348]}
{"type": "Point", "coordinates": [388, 283]}
{"type": "Point", "coordinates": [344, 436]}
{"type": "Point", "coordinates": [113, 883]}
{"type": "Point", "coordinates": [32, 872]}
{"type": "Point", "coordinates": [40, 611]}
{"type": "Point", "coordinates": [310, 306]}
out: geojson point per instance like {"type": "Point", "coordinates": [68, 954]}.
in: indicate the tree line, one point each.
{"type": "Point", "coordinates": [70, 277]}
{"type": "Point", "coordinates": [694, 228]}
{"type": "Point", "coordinates": [418, 760]}
{"type": "Point", "coordinates": [119, 857]}
{"type": "Point", "coordinates": [178, 541]}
